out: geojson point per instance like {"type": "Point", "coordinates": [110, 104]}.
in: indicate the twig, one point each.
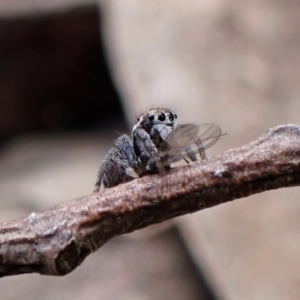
{"type": "Point", "coordinates": [55, 242]}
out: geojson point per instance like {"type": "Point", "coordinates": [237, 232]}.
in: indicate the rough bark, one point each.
{"type": "Point", "coordinates": [56, 241]}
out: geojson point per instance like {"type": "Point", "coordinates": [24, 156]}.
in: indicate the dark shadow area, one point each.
{"type": "Point", "coordinates": [53, 73]}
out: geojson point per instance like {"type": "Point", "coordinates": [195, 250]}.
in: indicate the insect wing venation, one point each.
{"type": "Point", "coordinates": [190, 139]}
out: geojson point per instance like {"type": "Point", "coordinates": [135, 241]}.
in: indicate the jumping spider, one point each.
{"type": "Point", "coordinates": [154, 146]}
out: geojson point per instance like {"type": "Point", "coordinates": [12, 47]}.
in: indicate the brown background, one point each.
{"type": "Point", "coordinates": [64, 70]}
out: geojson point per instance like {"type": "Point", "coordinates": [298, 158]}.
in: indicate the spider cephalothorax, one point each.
{"type": "Point", "coordinates": [149, 135]}
{"type": "Point", "coordinates": [158, 123]}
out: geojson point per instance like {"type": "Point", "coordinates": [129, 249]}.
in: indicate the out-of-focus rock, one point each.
{"type": "Point", "coordinates": [234, 63]}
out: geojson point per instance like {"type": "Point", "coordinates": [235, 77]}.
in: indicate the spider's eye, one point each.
{"type": "Point", "coordinates": [151, 117]}
{"type": "Point", "coordinates": [161, 117]}
{"type": "Point", "coordinates": [138, 118]}
{"type": "Point", "coordinates": [175, 116]}
{"type": "Point", "coordinates": [171, 117]}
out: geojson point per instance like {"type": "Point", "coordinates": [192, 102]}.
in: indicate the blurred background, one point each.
{"type": "Point", "coordinates": [74, 74]}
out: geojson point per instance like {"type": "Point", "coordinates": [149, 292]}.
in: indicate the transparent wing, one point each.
{"type": "Point", "coordinates": [208, 135]}
{"type": "Point", "coordinates": [180, 138]}
{"type": "Point", "coordinates": [188, 140]}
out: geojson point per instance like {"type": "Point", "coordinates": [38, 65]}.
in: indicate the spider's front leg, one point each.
{"type": "Point", "coordinates": [146, 152]}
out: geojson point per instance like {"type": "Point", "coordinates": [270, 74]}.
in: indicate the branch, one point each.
{"type": "Point", "coordinates": [56, 241]}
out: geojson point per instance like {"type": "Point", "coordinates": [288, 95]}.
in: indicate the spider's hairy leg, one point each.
{"type": "Point", "coordinates": [146, 151]}
{"type": "Point", "coordinates": [119, 165]}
